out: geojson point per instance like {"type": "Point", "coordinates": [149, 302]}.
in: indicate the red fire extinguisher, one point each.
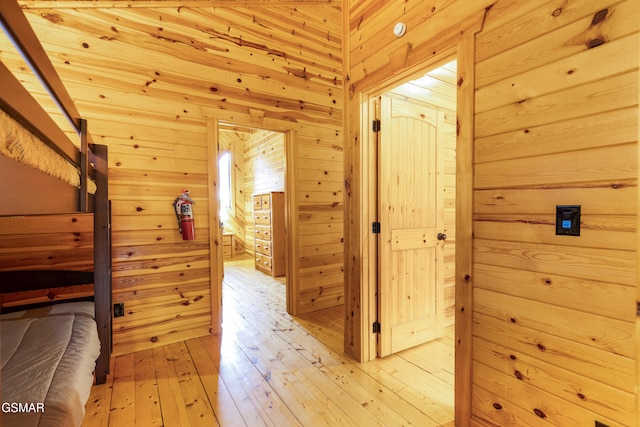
{"type": "Point", "coordinates": [183, 206]}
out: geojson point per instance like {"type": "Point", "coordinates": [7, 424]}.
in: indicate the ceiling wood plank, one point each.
{"type": "Point", "coordinates": [113, 4]}
{"type": "Point", "coordinates": [173, 65]}
{"type": "Point", "coordinates": [236, 65]}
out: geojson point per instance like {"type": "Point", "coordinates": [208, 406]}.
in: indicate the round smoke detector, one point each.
{"type": "Point", "coordinates": [399, 29]}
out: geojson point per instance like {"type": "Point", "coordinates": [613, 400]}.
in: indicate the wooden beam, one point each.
{"type": "Point", "coordinates": [113, 4]}
{"type": "Point", "coordinates": [19, 30]}
{"type": "Point", "coordinates": [102, 262]}
{"type": "Point", "coordinates": [84, 167]}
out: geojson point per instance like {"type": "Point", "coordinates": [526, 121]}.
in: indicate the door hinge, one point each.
{"type": "Point", "coordinates": [375, 227]}
{"type": "Point", "coordinates": [376, 327]}
{"type": "Point", "coordinates": [375, 125]}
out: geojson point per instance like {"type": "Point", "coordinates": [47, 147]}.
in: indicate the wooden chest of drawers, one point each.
{"type": "Point", "coordinates": [268, 216]}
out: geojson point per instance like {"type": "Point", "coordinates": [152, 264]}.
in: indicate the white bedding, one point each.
{"type": "Point", "coordinates": [47, 356]}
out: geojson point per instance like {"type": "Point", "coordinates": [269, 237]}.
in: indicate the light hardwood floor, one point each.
{"type": "Point", "coordinates": [270, 369]}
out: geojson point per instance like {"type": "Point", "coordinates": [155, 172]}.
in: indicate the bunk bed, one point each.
{"type": "Point", "coordinates": [56, 322]}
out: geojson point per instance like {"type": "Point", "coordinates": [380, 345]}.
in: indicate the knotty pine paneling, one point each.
{"type": "Point", "coordinates": [528, 280]}
{"type": "Point", "coordinates": [321, 222]}
{"type": "Point", "coordinates": [47, 242]}
{"type": "Point", "coordinates": [264, 163]}
{"type": "Point", "coordinates": [232, 141]}
{"type": "Point", "coordinates": [371, 30]}
{"type": "Point", "coordinates": [149, 172]}
{"type": "Point", "coordinates": [264, 169]}
{"type": "Point", "coordinates": [545, 273]}
{"type": "Point", "coordinates": [142, 77]}
{"type": "Point", "coordinates": [556, 122]}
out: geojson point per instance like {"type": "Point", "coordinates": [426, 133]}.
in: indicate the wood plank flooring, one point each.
{"type": "Point", "coordinates": [270, 369]}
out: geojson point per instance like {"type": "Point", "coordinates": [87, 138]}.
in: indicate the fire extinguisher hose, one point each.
{"type": "Point", "coordinates": [175, 209]}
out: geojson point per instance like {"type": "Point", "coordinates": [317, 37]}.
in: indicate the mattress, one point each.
{"type": "Point", "coordinates": [47, 359]}
{"type": "Point", "coordinates": [19, 144]}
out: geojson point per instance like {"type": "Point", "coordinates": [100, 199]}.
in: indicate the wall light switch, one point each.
{"type": "Point", "coordinates": [568, 220]}
{"type": "Point", "coordinates": [118, 309]}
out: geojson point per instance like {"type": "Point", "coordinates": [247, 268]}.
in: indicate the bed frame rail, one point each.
{"type": "Point", "coordinates": [22, 290]}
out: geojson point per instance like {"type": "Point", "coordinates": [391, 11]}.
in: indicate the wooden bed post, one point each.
{"type": "Point", "coordinates": [102, 263]}
{"type": "Point", "coordinates": [84, 167]}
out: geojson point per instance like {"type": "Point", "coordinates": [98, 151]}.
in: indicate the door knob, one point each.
{"type": "Point", "coordinates": [442, 236]}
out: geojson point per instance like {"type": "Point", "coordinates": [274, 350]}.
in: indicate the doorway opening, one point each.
{"type": "Point", "coordinates": [252, 181]}
{"type": "Point", "coordinates": [410, 179]}
{"type": "Point", "coordinates": [416, 146]}
{"type": "Point", "coordinates": [256, 198]}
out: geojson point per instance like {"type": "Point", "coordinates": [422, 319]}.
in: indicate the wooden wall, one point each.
{"type": "Point", "coordinates": [556, 124]}
{"type": "Point", "coordinates": [264, 172]}
{"type": "Point", "coordinates": [163, 281]}
{"type": "Point", "coordinates": [43, 242]}
{"type": "Point", "coordinates": [320, 192]}
{"type": "Point", "coordinates": [233, 140]}
{"type": "Point", "coordinates": [143, 78]}
{"type": "Point", "coordinates": [549, 321]}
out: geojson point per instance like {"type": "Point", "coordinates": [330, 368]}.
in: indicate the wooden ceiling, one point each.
{"type": "Point", "coordinates": [437, 87]}
{"type": "Point", "coordinates": [166, 59]}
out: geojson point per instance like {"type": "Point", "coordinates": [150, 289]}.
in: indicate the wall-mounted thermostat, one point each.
{"type": "Point", "coordinates": [399, 29]}
{"type": "Point", "coordinates": [568, 220]}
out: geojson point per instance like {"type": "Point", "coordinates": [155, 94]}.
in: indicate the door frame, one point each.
{"type": "Point", "coordinates": [370, 187]}
{"type": "Point", "coordinates": [464, 52]}
{"type": "Point", "coordinates": [290, 213]}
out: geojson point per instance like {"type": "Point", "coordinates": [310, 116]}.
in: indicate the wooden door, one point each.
{"type": "Point", "coordinates": [411, 214]}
